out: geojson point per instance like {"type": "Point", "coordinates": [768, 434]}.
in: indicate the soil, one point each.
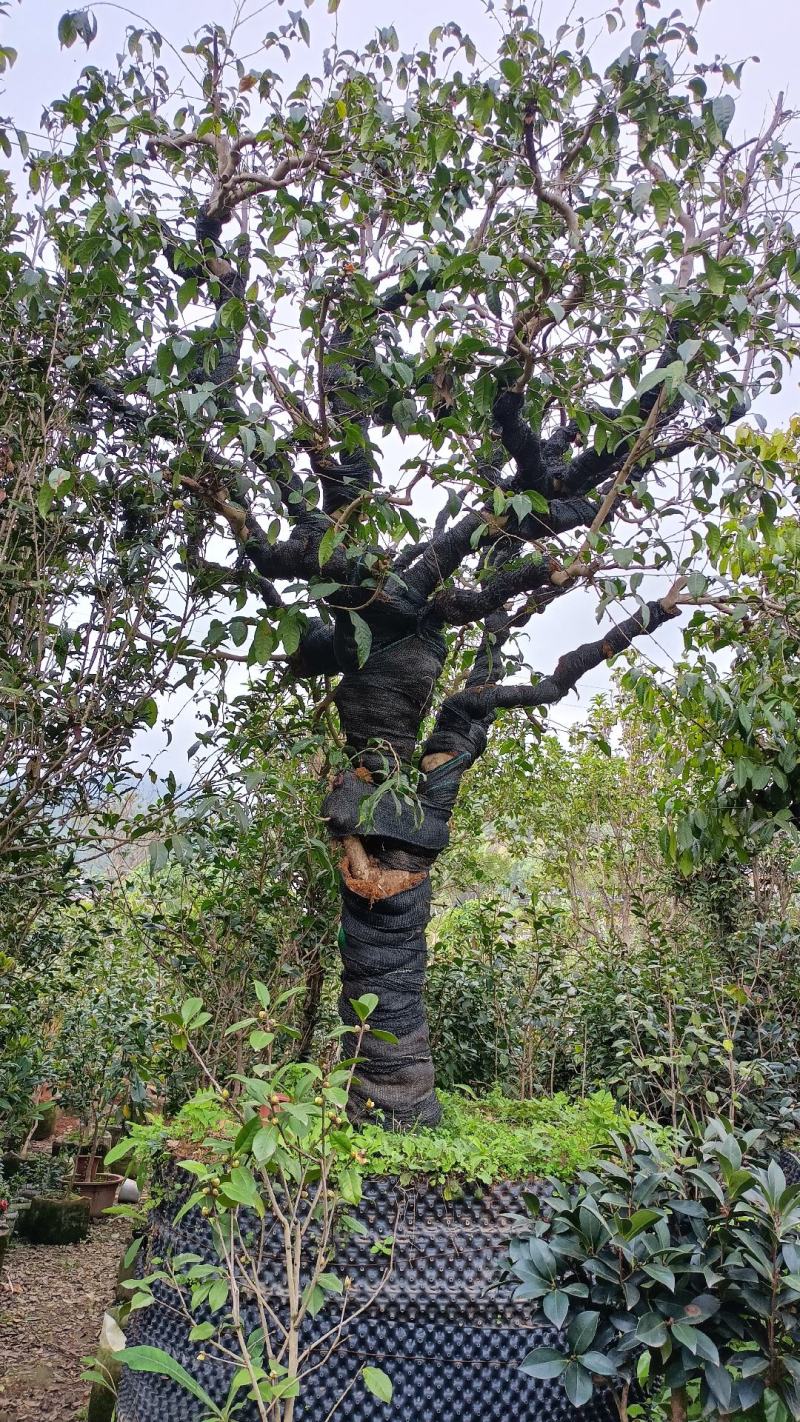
{"type": "Point", "coordinates": [52, 1301]}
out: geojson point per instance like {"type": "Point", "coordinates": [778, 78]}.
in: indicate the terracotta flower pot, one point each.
{"type": "Point", "coordinates": [101, 1192]}
{"type": "Point", "coordinates": [86, 1164]}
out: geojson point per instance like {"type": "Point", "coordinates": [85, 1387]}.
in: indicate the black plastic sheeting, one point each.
{"type": "Point", "coordinates": [450, 1340]}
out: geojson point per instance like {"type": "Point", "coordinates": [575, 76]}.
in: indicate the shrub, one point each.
{"type": "Point", "coordinates": [671, 1269]}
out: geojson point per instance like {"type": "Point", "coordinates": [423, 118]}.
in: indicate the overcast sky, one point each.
{"type": "Point", "coordinates": [769, 29]}
{"type": "Point", "coordinates": [737, 29]}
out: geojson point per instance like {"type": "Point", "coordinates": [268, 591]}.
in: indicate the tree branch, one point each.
{"type": "Point", "coordinates": [477, 703]}
{"type": "Point", "coordinates": [458, 606]}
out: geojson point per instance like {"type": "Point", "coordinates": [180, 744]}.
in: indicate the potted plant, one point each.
{"type": "Point", "coordinates": [371, 1251]}
{"type": "Point", "coordinates": [53, 1213]}
{"type": "Point", "coordinates": [105, 1049]}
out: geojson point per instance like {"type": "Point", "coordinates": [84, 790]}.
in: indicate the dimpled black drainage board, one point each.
{"type": "Point", "coordinates": [449, 1339]}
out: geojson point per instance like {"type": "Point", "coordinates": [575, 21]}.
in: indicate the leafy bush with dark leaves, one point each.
{"type": "Point", "coordinates": [674, 1272]}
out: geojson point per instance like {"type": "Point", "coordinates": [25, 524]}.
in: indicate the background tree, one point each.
{"type": "Point", "coordinates": [466, 316]}
{"type": "Point", "coordinates": [735, 782]}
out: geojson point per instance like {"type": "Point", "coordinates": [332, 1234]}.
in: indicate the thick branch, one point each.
{"type": "Point", "coordinates": [520, 441]}
{"type": "Point", "coordinates": [315, 656]}
{"type": "Point", "coordinates": [478, 703]}
{"type": "Point", "coordinates": [458, 606]}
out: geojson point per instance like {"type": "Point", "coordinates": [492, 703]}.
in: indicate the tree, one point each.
{"type": "Point", "coordinates": [735, 767]}
{"type": "Point", "coordinates": [466, 316]}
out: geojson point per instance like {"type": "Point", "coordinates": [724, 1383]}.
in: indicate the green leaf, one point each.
{"type": "Point", "coordinates": [598, 1363]}
{"type": "Point", "coordinates": [190, 1009]}
{"type": "Point", "coordinates": [45, 499]}
{"type": "Point", "coordinates": [265, 1144]}
{"type": "Point", "coordinates": [582, 1330]}
{"type": "Point", "coordinates": [187, 293]}
{"type": "Point", "coordinates": [701, 1308]}
{"type": "Point", "coordinates": [404, 414]}
{"type": "Point", "coordinates": [663, 199]}
{"type": "Point", "coordinates": [363, 638]}
{"type": "Point", "coordinates": [698, 1343]}
{"type": "Point", "coordinates": [637, 1222]}
{"type": "Point", "coordinates": [67, 33]}
{"type": "Point", "coordinates": [723, 108]}
{"type": "Point", "coordinates": [661, 1274]}
{"type": "Point", "coordinates": [651, 380]}
{"type": "Point", "coordinates": [545, 1363]}
{"type": "Point", "coordinates": [715, 275]}
{"type": "Point", "coordinates": [365, 1005]}
{"type": "Point", "coordinates": [378, 1383]}
{"type": "Point", "coordinates": [241, 1189]}
{"type": "Point", "coordinates": [263, 644]}
{"type": "Point", "coordinates": [652, 1330]}
{"type": "Point", "coordinates": [578, 1384]}
{"type": "Point", "coordinates": [118, 1151]}
{"type": "Point", "coordinates": [143, 1359]}
{"type": "Point", "coordinates": [349, 1183]}
{"type": "Point", "coordinates": [330, 538]}
{"type": "Point", "coordinates": [512, 70]}
{"type": "Point", "coordinates": [556, 1307]}
{"type": "Point", "coordinates": [291, 629]}
{"type": "Point", "coordinates": [201, 1332]}
{"type": "Point", "coordinates": [260, 1039]}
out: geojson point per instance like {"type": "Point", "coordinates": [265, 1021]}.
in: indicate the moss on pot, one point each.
{"type": "Point", "coordinates": [55, 1220]}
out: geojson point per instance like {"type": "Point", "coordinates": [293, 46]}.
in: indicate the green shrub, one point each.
{"type": "Point", "coordinates": [676, 1271]}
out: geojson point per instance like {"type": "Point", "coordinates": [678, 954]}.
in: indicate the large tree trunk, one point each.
{"type": "Point", "coordinates": [384, 951]}
{"type": "Point", "coordinates": [388, 847]}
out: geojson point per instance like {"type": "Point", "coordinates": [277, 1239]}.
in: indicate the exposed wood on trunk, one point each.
{"type": "Point", "coordinates": [368, 878]}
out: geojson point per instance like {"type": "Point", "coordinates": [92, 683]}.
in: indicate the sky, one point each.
{"type": "Point", "coordinates": [736, 29]}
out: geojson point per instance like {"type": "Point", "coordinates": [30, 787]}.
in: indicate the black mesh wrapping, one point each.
{"type": "Point", "coordinates": [382, 703]}
{"type": "Point", "coordinates": [449, 1339]}
{"type": "Point", "coordinates": [790, 1165]}
{"type": "Point", "coordinates": [422, 824]}
{"type": "Point", "coordinates": [383, 951]}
